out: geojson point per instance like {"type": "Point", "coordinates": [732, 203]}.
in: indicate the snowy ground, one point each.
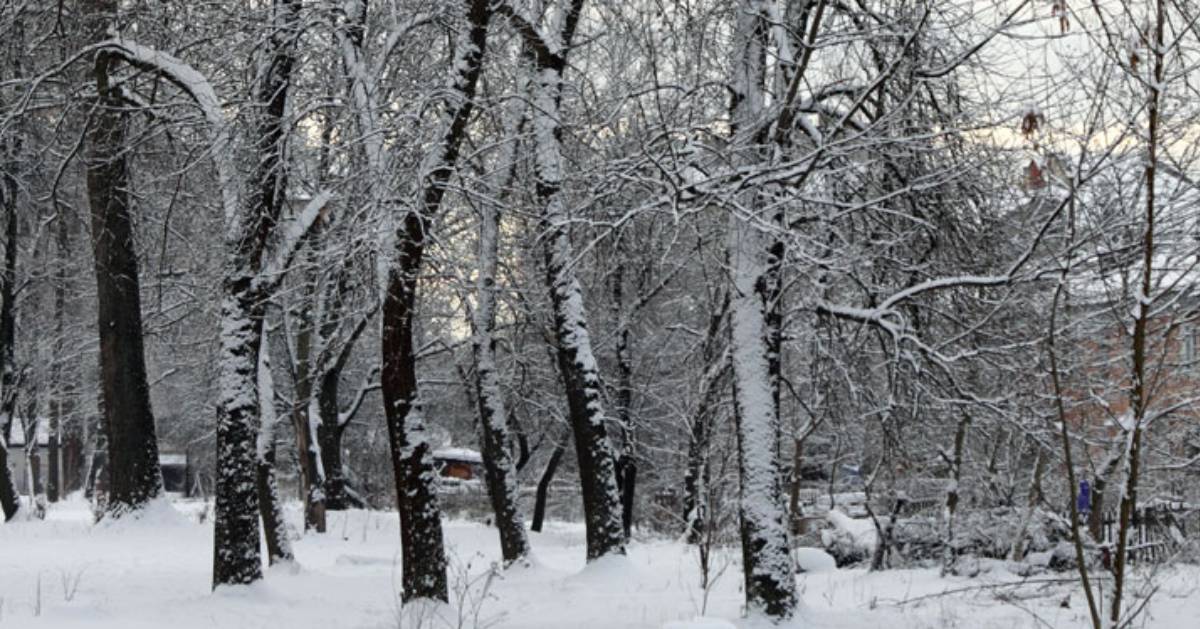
{"type": "Point", "coordinates": [65, 572]}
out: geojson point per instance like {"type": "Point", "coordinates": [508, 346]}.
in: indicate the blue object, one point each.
{"type": "Point", "coordinates": [1084, 503]}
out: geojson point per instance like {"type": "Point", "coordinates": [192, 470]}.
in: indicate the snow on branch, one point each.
{"type": "Point", "coordinates": [292, 234]}
{"type": "Point", "coordinates": [200, 90]}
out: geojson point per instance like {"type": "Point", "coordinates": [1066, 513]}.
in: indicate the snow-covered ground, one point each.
{"type": "Point", "coordinates": [66, 572]}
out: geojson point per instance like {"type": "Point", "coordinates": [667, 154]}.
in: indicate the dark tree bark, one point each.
{"type": "Point", "coordinates": [8, 380]}
{"type": "Point", "coordinates": [332, 420]}
{"type": "Point", "coordinates": [60, 388]}
{"type": "Point", "coordinates": [424, 557]}
{"type": "Point", "coordinates": [329, 437]}
{"type": "Point", "coordinates": [134, 477]}
{"type": "Point", "coordinates": [627, 461]}
{"type": "Point", "coordinates": [576, 360]}
{"type": "Point", "coordinates": [278, 546]}
{"type": "Point", "coordinates": [543, 486]}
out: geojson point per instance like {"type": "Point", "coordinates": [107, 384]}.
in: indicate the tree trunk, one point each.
{"type": "Point", "coordinates": [134, 477]}
{"type": "Point", "coordinates": [236, 557]}
{"type": "Point", "coordinates": [576, 362]}
{"type": "Point", "coordinates": [329, 437]}
{"type": "Point", "coordinates": [424, 558]}
{"type": "Point", "coordinates": [696, 481]}
{"type": "Point", "coordinates": [626, 461]}
{"type": "Point", "coordinates": [769, 571]}
{"type": "Point", "coordinates": [312, 475]}
{"type": "Point", "coordinates": [236, 547]}
{"type": "Point", "coordinates": [1141, 392]}
{"type": "Point", "coordinates": [304, 416]}
{"type": "Point", "coordinates": [543, 486]}
{"type": "Point", "coordinates": [949, 556]}
{"type": "Point", "coordinates": [500, 470]}
{"type": "Point", "coordinates": [279, 547]}
{"type": "Point", "coordinates": [8, 381]}
{"type": "Point", "coordinates": [60, 389]}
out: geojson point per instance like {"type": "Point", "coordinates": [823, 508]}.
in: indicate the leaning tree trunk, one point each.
{"type": "Point", "coordinates": [576, 361]}
{"type": "Point", "coordinates": [134, 477]}
{"type": "Point", "coordinates": [543, 486]}
{"type": "Point", "coordinates": [423, 554]}
{"type": "Point", "coordinates": [769, 572]}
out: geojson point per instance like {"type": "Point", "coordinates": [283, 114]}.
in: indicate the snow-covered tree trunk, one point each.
{"type": "Point", "coordinates": [500, 470]}
{"type": "Point", "coordinates": [576, 361]}
{"type": "Point", "coordinates": [949, 556]}
{"type": "Point", "coordinates": [237, 559]}
{"type": "Point", "coordinates": [134, 477]}
{"type": "Point", "coordinates": [423, 554]}
{"type": "Point", "coordinates": [696, 480]}
{"type": "Point", "coordinates": [304, 417]}
{"type": "Point", "coordinates": [279, 547]}
{"type": "Point", "coordinates": [767, 564]}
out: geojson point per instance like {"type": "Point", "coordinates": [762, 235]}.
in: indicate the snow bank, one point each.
{"type": "Point", "coordinates": [157, 514]}
{"type": "Point", "coordinates": [813, 560]}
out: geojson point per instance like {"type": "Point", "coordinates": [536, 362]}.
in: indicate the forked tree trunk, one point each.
{"type": "Point", "coordinates": [423, 554]}
{"type": "Point", "coordinates": [134, 477]}
{"type": "Point", "coordinates": [236, 545]}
